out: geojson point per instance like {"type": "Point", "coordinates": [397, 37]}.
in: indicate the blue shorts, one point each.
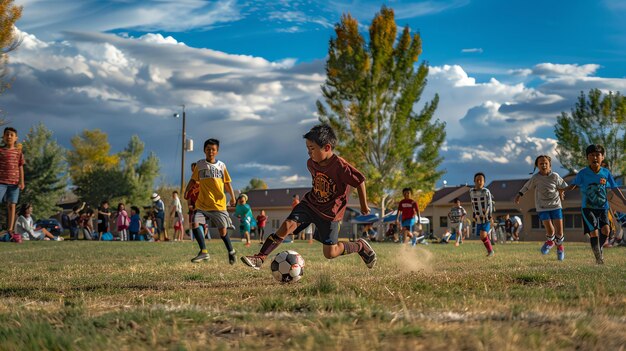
{"type": "Point", "coordinates": [408, 223]}
{"type": "Point", "coordinates": [9, 193]}
{"type": "Point", "coordinates": [483, 227]}
{"type": "Point", "coordinates": [553, 214]}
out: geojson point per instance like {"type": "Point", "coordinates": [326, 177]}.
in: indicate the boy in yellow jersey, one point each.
{"type": "Point", "coordinates": [214, 181]}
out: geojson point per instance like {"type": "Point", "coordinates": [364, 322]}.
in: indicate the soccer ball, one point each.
{"type": "Point", "coordinates": [288, 267]}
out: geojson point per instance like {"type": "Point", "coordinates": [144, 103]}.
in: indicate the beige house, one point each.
{"type": "Point", "coordinates": [504, 192]}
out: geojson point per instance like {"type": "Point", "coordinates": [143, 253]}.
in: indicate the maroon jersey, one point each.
{"type": "Point", "coordinates": [10, 162]}
{"type": "Point", "coordinates": [260, 220]}
{"type": "Point", "coordinates": [331, 184]}
{"type": "Point", "coordinates": [408, 207]}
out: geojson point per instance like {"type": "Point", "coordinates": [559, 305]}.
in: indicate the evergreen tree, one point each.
{"type": "Point", "coordinates": [139, 176]}
{"type": "Point", "coordinates": [595, 119]}
{"type": "Point", "coordinates": [44, 171]}
{"type": "Point", "coordinates": [370, 97]}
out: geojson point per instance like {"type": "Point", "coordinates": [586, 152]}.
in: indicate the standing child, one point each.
{"type": "Point", "coordinates": [176, 212]}
{"type": "Point", "coordinates": [104, 214]}
{"type": "Point", "coordinates": [11, 173]}
{"type": "Point", "coordinates": [244, 213]}
{"type": "Point", "coordinates": [482, 206]}
{"type": "Point", "coordinates": [408, 211]}
{"type": "Point", "coordinates": [260, 221]}
{"type": "Point", "coordinates": [135, 223]}
{"type": "Point", "coordinates": [456, 216]}
{"type": "Point", "coordinates": [214, 181]}
{"type": "Point", "coordinates": [192, 196]}
{"type": "Point", "coordinates": [122, 221]}
{"type": "Point", "coordinates": [548, 191]}
{"type": "Point", "coordinates": [593, 182]}
{"type": "Point", "coordinates": [325, 204]}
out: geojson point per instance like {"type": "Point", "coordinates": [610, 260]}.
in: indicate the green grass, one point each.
{"type": "Point", "coordinates": [103, 296]}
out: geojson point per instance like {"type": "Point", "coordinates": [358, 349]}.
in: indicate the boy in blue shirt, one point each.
{"type": "Point", "coordinates": [593, 182]}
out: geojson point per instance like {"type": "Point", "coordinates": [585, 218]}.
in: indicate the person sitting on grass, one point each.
{"type": "Point", "coordinates": [25, 227]}
{"type": "Point", "coordinates": [325, 204]}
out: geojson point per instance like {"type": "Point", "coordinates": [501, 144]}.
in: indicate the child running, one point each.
{"type": "Point", "coordinates": [408, 211]}
{"type": "Point", "coordinates": [482, 205]}
{"type": "Point", "coordinates": [456, 216]}
{"type": "Point", "coordinates": [244, 213]}
{"type": "Point", "coordinates": [549, 187]}
{"type": "Point", "coordinates": [214, 181]}
{"type": "Point", "coordinates": [593, 182]}
{"type": "Point", "coordinates": [325, 204]}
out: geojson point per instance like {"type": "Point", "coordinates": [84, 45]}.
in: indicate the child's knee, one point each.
{"type": "Point", "coordinates": [328, 254]}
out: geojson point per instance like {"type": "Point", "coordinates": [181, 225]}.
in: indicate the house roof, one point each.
{"type": "Point", "coordinates": [272, 198]}
{"type": "Point", "coordinates": [443, 192]}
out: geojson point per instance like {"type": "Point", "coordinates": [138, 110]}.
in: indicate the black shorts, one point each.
{"type": "Point", "coordinates": [326, 232]}
{"type": "Point", "coordinates": [594, 219]}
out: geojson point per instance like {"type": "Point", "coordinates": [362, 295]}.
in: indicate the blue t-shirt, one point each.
{"type": "Point", "coordinates": [593, 187]}
{"type": "Point", "coordinates": [135, 223]}
{"type": "Point", "coordinates": [244, 212]}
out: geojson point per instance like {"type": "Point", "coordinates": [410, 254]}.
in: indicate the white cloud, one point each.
{"type": "Point", "coordinates": [569, 70]}
{"type": "Point", "coordinates": [265, 167]}
{"type": "Point", "coordinates": [472, 50]}
{"type": "Point", "coordinates": [293, 179]}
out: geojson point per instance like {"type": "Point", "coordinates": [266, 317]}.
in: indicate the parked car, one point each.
{"type": "Point", "coordinates": [51, 224]}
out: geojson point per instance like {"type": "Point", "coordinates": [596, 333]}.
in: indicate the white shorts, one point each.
{"type": "Point", "coordinates": [37, 235]}
{"type": "Point", "coordinates": [456, 227]}
{"type": "Point", "coordinates": [220, 219]}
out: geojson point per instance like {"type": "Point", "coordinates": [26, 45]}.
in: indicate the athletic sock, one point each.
{"type": "Point", "coordinates": [559, 241]}
{"type": "Point", "coordinates": [594, 242]}
{"type": "Point", "coordinates": [352, 247]}
{"type": "Point", "coordinates": [487, 244]}
{"type": "Point", "coordinates": [199, 236]}
{"type": "Point", "coordinates": [603, 239]}
{"type": "Point", "coordinates": [227, 243]}
{"type": "Point", "coordinates": [270, 244]}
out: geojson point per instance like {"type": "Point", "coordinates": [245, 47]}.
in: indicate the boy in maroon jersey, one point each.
{"type": "Point", "coordinates": [408, 211]}
{"type": "Point", "coordinates": [325, 204]}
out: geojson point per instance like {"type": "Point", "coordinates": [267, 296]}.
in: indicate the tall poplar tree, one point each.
{"type": "Point", "coordinates": [595, 119]}
{"type": "Point", "coordinates": [370, 98]}
{"type": "Point", "coordinates": [45, 172]}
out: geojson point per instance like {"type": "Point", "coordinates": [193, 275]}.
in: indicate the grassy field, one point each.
{"type": "Point", "coordinates": [125, 296]}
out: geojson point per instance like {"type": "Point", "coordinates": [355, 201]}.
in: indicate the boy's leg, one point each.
{"type": "Point", "coordinates": [545, 248]}
{"type": "Point", "coordinates": [270, 244]}
{"type": "Point", "coordinates": [328, 234]}
{"type": "Point", "coordinates": [229, 246]}
{"type": "Point", "coordinates": [485, 239]}
{"type": "Point", "coordinates": [559, 238]}
{"type": "Point", "coordinates": [198, 234]}
{"type": "Point", "coordinates": [11, 216]}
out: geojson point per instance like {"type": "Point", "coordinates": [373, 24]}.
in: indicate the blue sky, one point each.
{"type": "Point", "coordinates": [249, 73]}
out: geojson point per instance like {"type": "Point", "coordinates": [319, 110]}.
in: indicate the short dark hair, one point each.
{"type": "Point", "coordinates": [211, 142]}
{"type": "Point", "coordinates": [322, 134]}
{"type": "Point", "coordinates": [175, 192]}
{"type": "Point", "coordinates": [135, 208]}
{"type": "Point", "coordinates": [480, 174]}
{"type": "Point", "coordinates": [594, 148]}
{"type": "Point", "coordinates": [9, 129]}
{"type": "Point", "coordinates": [407, 189]}
{"type": "Point", "coordinates": [457, 200]}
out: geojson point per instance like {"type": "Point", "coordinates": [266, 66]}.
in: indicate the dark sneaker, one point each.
{"type": "Point", "coordinates": [254, 261]}
{"type": "Point", "coordinates": [597, 252]}
{"type": "Point", "coordinates": [367, 254]}
{"type": "Point", "coordinates": [201, 257]}
{"type": "Point", "coordinates": [231, 257]}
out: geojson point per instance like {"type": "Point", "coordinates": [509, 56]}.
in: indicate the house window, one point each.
{"type": "Point", "coordinates": [535, 222]}
{"type": "Point", "coordinates": [578, 221]}
{"type": "Point", "coordinates": [568, 221]}
{"type": "Point", "coordinates": [443, 222]}
{"type": "Point", "coordinates": [275, 223]}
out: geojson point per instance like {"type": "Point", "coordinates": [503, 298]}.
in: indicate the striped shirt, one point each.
{"type": "Point", "coordinates": [10, 162]}
{"type": "Point", "coordinates": [456, 213]}
{"type": "Point", "coordinates": [482, 204]}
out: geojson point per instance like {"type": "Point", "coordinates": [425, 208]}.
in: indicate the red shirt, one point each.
{"type": "Point", "coordinates": [10, 162]}
{"type": "Point", "coordinates": [260, 220]}
{"type": "Point", "coordinates": [331, 184]}
{"type": "Point", "coordinates": [408, 207]}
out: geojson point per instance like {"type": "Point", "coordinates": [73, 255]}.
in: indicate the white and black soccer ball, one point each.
{"type": "Point", "coordinates": [288, 267]}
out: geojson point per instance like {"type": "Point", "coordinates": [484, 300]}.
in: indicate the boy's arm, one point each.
{"type": "Point", "coordinates": [363, 198]}
{"type": "Point", "coordinates": [229, 188]}
{"type": "Point", "coordinates": [21, 184]}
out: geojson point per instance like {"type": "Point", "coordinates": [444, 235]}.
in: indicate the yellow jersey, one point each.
{"type": "Point", "coordinates": [211, 177]}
